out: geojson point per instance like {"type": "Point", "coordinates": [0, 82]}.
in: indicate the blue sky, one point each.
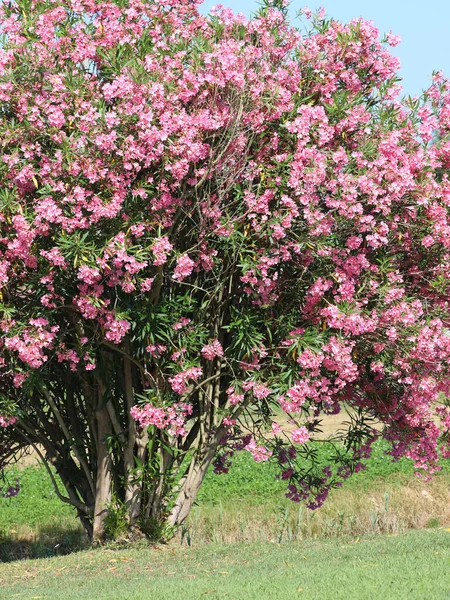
{"type": "Point", "coordinates": [423, 26]}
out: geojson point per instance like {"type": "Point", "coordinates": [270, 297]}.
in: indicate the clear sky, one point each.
{"type": "Point", "coordinates": [424, 27]}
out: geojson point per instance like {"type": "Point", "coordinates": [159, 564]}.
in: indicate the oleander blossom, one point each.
{"type": "Point", "coordinates": [181, 323]}
{"type": "Point", "coordinates": [183, 267]}
{"type": "Point", "coordinates": [300, 435]}
{"type": "Point", "coordinates": [171, 418]}
{"type": "Point", "coordinates": [146, 284]}
{"type": "Point", "coordinates": [179, 383]}
{"type": "Point", "coordinates": [258, 452]}
{"type": "Point", "coordinates": [233, 397]}
{"type": "Point", "coordinates": [33, 342]}
{"type": "Point", "coordinates": [212, 350]}
{"type": "Point", "coordinates": [161, 248]}
{"type": "Point", "coordinates": [7, 421]}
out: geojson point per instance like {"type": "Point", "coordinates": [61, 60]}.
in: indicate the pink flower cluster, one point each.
{"type": "Point", "coordinates": [169, 418]}
{"type": "Point", "coordinates": [161, 248]}
{"type": "Point", "coordinates": [183, 268]}
{"type": "Point", "coordinates": [7, 421]}
{"type": "Point", "coordinates": [233, 397]}
{"type": "Point", "coordinates": [32, 341]}
{"type": "Point", "coordinates": [179, 383]}
{"type": "Point", "coordinates": [259, 453]}
{"type": "Point", "coordinates": [210, 351]}
{"type": "Point", "coordinates": [115, 329]}
{"type": "Point", "coordinates": [181, 323]}
{"type": "Point", "coordinates": [300, 435]}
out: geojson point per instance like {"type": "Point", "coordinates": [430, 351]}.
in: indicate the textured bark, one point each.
{"type": "Point", "coordinates": [193, 480]}
{"type": "Point", "coordinates": [133, 490]}
{"type": "Point", "coordinates": [133, 493]}
{"type": "Point", "coordinates": [154, 508]}
{"type": "Point", "coordinates": [103, 483]}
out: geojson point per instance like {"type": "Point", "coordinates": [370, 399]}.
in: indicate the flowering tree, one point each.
{"type": "Point", "coordinates": [205, 220]}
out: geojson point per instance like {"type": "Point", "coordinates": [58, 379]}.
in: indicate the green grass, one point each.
{"type": "Point", "coordinates": [258, 480]}
{"type": "Point", "coordinates": [410, 566]}
{"type": "Point", "coordinates": [247, 504]}
{"type": "Point", "coordinates": [36, 523]}
{"type": "Point", "coordinates": [37, 503]}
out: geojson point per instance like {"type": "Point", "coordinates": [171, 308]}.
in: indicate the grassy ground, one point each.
{"type": "Point", "coordinates": [244, 541]}
{"type": "Point", "coordinates": [246, 505]}
{"type": "Point", "coordinates": [407, 566]}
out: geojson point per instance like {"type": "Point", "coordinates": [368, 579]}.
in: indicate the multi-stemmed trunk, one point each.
{"type": "Point", "coordinates": [83, 429]}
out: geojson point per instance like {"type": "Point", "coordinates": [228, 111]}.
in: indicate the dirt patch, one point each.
{"type": "Point", "coordinates": [30, 459]}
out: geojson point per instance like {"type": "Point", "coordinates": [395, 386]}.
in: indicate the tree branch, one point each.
{"type": "Point", "coordinates": [69, 438]}
{"type": "Point", "coordinates": [79, 505]}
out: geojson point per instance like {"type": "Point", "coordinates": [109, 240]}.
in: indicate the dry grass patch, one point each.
{"type": "Point", "coordinates": [381, 508]}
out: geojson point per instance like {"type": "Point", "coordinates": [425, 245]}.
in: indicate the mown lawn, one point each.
{"type": "Point", "coordinates": [408, 566]}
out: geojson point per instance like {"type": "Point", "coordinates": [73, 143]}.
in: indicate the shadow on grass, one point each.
{"type": "Point", "coordinates": [47, 542]}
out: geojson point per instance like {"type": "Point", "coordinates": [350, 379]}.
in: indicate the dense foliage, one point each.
{"type": "Point", "coordinates": [206, 221]}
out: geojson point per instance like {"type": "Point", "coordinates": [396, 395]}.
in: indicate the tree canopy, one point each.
{"type": "Point", "coordinates": [209, 222]}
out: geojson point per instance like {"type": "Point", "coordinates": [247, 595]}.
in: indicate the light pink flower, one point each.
{"type": "Point", "coordinates": [300, 435]}
{"type": "Point", "coordinates": [210, 351]}
{"type": "Point", "coordinates": [183, 268]}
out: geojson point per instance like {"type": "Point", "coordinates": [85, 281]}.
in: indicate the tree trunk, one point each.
{"type": "Point", "coordinates": [193, 481]}
{"type": "Point", "coordinates": [103, 487]}
{"type": "Point", "coordinates": [133, 490]}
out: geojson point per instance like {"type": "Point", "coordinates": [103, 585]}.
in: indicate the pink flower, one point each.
{"type": "Point", "coordinates": [156, 350]}
{"type": "Point", "coordinates": [183, 268]}
{"type": "Point", "coordinates": [233, 397]}
{"type": "Point", "coordinates": [261, 391]}
{"type": "Point", "coordinates": [89, 275]}
{"type": "Point", "coordinates": [227, 422]}
{"type": "Point", "coordinates": [7, 421]}
{"type": "Point", "coordinates": [393, 40]}
{"type": "Point", "coordinates": [115, 330]}
{"type": "Point", "coordinates": [179, 383]}
{"type": "Point", "coordinates": [19, 379]}
{"type": "Point", "coordinates": [297, 395]}
{"type": "Point", "coordinates": [181, 323]}
{"type": "Point", "coordinates": [170, 418]}
{"type": "Point", "coordinates": [300, 435]}
{"type": "Point", "coordinates": [428, 241]}
{"type": "Point", "coordinates": [32, 342]}
{"type": "Point", "coordinates": [307, 12]}
{"type": "Point", "coordinates": [161, 248]}
{"type": "Point", "coordinates": [212, 350]}
{"type": "Point", "coordinates": [259, 453]}
{"type": "Point", "coordinates": [276, 429]}
{"type": "Point", "coordinates": [146, 284]}
{"type": "Point", "coordinates": [54, 257]}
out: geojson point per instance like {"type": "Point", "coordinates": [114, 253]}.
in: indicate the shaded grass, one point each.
{"type": "Point", "coordinates": [36, 523]}
{"type": "Point", "coordinates": [413, 566]}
